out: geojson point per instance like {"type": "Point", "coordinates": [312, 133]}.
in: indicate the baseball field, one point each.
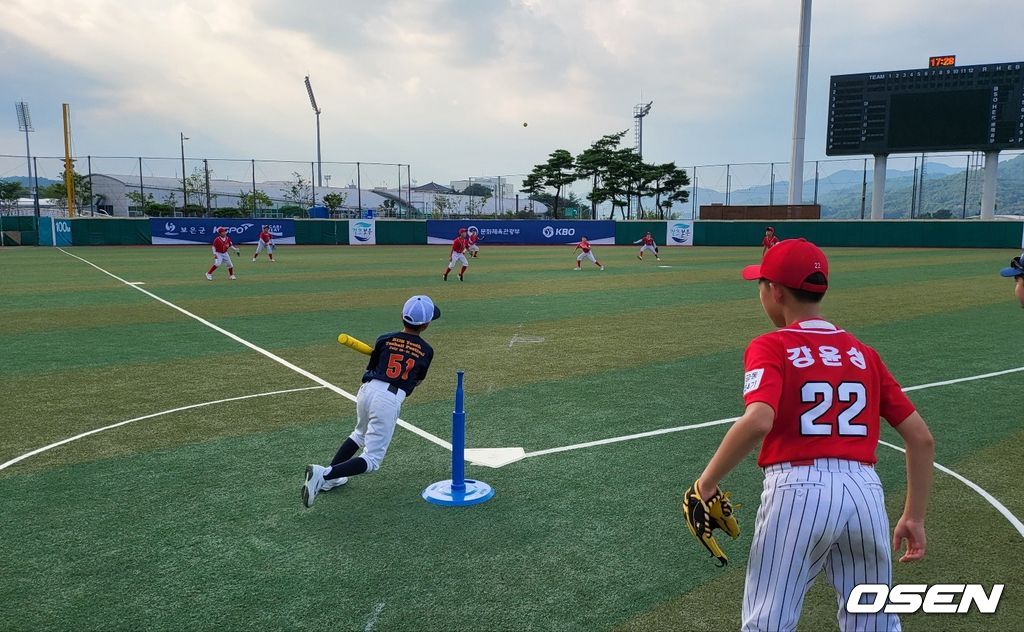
{"type": "Point", "coordinates": [184, 512]}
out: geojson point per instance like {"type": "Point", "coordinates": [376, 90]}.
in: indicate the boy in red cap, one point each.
{"type": "Point", "coordinates": [769, 240]}
{"type": "Point", "coordinates": [459, 246]}
{"type": "Point", "coordinates": [814, 399]}
{"type": "Point", "coordinates": [221, 243]}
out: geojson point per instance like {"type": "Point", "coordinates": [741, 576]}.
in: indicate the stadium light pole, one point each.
{"type": "Point", "coordinates": [25, 125]}
{"type": "Point", "coordinates": [640, 110]}
{"type": "Point", "coordinates": [796, 163]}
{"type": "Point", "coordinates": [184, 189]}
{"type": "Point", "coordinates": [312, 101]}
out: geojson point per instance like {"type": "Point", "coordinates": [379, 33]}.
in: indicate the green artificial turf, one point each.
{"type": "Point", "coordinates": [192, 520]}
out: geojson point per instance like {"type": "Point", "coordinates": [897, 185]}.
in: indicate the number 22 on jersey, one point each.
{"type": "Point", "coordinates": [823, 394]}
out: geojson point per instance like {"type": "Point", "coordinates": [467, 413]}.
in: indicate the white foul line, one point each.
{"type": "Point", "coordinates": [718, 422]}
{"type": "Point", "coordinates": [150, 416]}
{"type": "Point", "coordinates": [372, 621]}
{"type": "Point", "coordinates": [1000, 507]}
{"type": "Point", "coordinates": [303, 372]}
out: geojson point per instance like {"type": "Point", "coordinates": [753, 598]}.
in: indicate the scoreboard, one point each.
{"type": "Point", "coordinates": [941, 108]}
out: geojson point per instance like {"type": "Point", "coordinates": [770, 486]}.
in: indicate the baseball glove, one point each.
{"type": "Point", "coordinates": [703, 516]}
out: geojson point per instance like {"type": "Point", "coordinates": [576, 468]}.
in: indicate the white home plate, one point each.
{"type": "Point", "coordinates": [524, 340]}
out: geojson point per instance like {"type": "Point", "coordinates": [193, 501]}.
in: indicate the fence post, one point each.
{"type": "Point", "coordinates": [771, 187]}
{"type": "Point", "coordinates": [206, 179]}
{"type": "Point", "coordinates": [728, 183]}
{"type": "Point", "coordinates": [142, 188]}
{"type": "Point", "coordinates": [815, 182]}
{"type": "Point", "coordinates": [967, 175]}
{"type": "Point", "coordinates": [359, 188]}
{"type": "Point", "coordinates": [312, 181]}
{"type": "Point", "coordinates": [253, 161]}
{"type": "Point", "coordinates": [864, 188]}
{"type": "Point", "coordinates": [92, 205]}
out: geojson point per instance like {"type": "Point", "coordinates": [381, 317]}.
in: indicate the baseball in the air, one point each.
{"type": "Point", "coordinates": [524, 124]}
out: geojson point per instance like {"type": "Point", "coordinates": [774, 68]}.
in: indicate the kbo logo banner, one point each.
{"type": "Point", "coordinates": [534, 232]}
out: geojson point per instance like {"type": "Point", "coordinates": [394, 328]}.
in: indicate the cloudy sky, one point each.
{"type": "Point", "coordinates": [447, 85]}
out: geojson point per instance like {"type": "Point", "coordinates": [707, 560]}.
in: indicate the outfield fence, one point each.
{"type": "Point", "coordinates": [48, 231]}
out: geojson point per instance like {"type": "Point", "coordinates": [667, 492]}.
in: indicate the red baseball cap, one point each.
{"type": "Point", "coordinates": [222, 230]}
{"type": "Point", "coordinates": [462, 230]}
{"type": "Point", "coordinates": [789, 263]}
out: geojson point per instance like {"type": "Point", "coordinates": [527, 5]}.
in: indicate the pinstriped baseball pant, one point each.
{"type": "Point", "coordinates": [826, 516]}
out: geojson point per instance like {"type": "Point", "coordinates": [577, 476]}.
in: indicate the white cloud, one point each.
{"type": "Point", "coordinates": [446, 86]}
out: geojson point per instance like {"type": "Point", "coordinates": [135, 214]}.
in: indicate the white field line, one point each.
{"type": "Point", "coordinates": [150, 416]}
{"type": "Point", "coordinates": [718, 422]}
{"type": "Point", "coordinates": [303, 372]}
{"type": "Point", "coordinates": [372, 621]}
{"type": "Point", "coordinates": [1000, 507]}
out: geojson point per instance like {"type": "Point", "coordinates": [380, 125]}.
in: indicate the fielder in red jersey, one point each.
{"type": "Point", "coordinates": [221, 243]}
{"type": "Point", "coordinates": [459, 246]}
{"type": "Point", "coordinates": [265, 242]}
{"type": "Point", "coordinates": [584, 246]}
{"type": "Point", "coordinates": [769, 240]}
{"type": "Point", "coordinates": [648, 244]}
{"type": "Point", "coordinates": [473, 237]}
{"type": "Point", "coordinates": [815, 397]}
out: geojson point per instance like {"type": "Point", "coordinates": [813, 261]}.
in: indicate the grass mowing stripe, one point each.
{"type": "Point", "coordinates": [279, 360]}
{"type": "Point", "coordinates": [18, 459]}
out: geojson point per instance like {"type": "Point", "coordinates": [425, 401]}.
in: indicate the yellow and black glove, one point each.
{"type": "Point", "coordinates": [703, 516]}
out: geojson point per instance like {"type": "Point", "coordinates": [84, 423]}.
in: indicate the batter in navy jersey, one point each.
{"type": "Point", "coordinates": [399, 362]}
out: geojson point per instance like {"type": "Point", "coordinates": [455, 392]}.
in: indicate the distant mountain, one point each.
{"type": "Point", "coordinates": [840, 194]}
{"type": "Point", "coordinates": [27, 183]}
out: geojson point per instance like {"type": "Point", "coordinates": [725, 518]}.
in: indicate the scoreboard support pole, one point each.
{"type": "Point", "coordinates": [988, 186]}
{"type": "Point", "coordinates": [878, 187]}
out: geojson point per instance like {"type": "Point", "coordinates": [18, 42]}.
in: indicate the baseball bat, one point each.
{"type": "Point", "coordinates": [355, 343]}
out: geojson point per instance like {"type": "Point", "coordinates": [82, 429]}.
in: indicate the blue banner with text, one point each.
{"type": "Point", "coordinates": [202, 230]}
{"type": "Point", "coordinates": [526, 231]}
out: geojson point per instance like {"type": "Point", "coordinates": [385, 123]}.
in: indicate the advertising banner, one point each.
{"type": "Point", "coordinates": [678, 233]}
{"type": "Point", "coordinates": [202, 230]}
{"type": "Point", "coordinates": [528, 231]}
{"type": "Point", "coordinates": [362, 232]}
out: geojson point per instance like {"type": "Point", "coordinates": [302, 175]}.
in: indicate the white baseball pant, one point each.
{"type": "Point", "coordinates": [261, 246]}
{"type": "Point", "coordinates": [458, 256]}
{"type": "Point", "coordinates": [586, 255]}
{"type": "Point", "coordinates": [222, 258]}
{"type": "Point", "coordinates": [377, 411]}
{"type": "Point", "coordinates": [830, 515]}
{"type": "Point", "coordinates": [645, 248]}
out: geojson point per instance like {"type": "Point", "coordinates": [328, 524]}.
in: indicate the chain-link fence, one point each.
{"type": "Point", "coordinates": [917, 186]}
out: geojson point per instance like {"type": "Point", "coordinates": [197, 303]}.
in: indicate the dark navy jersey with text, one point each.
{"type": "Point", "coordinates": [401, 359]}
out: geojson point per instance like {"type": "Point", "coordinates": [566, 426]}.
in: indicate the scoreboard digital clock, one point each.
{"type": "Point", "coordinates": [941, 61]}
{"type": "Point", "coordinates": [951, 108]}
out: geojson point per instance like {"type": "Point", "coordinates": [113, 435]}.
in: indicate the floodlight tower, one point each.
{"type": "Point", "coordinates": [640, 110]}
{"type": "Point", "coordinates": [25, 125]}
{"type": "Point", "coordinates": [796, 161]}
{"type": "Point", "coordinates": [312, 101]}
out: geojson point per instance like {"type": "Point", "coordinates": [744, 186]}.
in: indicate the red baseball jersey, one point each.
{"type": "Point", "coordinates": [828, 391]}
{"type": "Point", "coordinates": [459, 244]}
{"type": "Point", "coordinates": [584, 245]}
{"type": "Point", "coordinates": [769, 241]}
{"type": "Point", "coordinates": [473, 238]}
{"type": "Point", "coordinates": [647, 240]}
{"type": "Point", "coordinates": [265, 236]}
{"type": "Point", "coordinates": [221, 244]}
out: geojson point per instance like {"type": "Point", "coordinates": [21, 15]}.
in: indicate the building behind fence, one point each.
{"type": "Point", "coordinates": [922, 186]}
